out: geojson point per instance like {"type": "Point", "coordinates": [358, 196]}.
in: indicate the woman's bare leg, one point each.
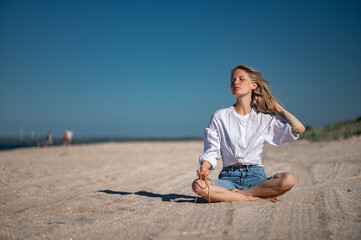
{"type": "Point", "coordinates": [278, 185]}
{"type": "Point", "coordinates": [220, 194]}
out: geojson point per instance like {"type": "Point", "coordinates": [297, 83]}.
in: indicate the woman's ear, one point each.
{"type": "Point", "coordinates": [254, 85]}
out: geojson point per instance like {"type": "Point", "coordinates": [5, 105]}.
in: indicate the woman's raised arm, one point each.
{"type": "Point", "coordinates": [296, 125]}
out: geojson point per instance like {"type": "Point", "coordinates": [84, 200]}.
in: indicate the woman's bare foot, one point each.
{"type": "Point", "coordinates": [271, 199]}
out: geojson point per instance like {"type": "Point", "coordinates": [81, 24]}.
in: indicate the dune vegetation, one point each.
{"type": "Point", "coordinates": [341, 130]}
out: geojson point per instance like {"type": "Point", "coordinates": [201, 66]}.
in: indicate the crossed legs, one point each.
{"type": "Point", "coordinates": [267, 190]}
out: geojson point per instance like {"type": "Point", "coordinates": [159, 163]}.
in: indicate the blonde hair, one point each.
{"type": "Point", "coordinates": [266, 102]}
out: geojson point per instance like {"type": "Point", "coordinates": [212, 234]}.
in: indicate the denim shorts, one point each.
{"type": "Point", "coordinates": [240, 177]}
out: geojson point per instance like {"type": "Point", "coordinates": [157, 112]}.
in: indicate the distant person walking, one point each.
{"type": "Point", "coordinates": [49, 139]}
{"type": "Point", "coordinates": [236, 135]}
{"type": "Point", "coordinates": [68, 135]}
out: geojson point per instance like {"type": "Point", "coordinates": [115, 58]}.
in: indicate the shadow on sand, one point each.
{"type": "Point", "coordinates": [172, 197]}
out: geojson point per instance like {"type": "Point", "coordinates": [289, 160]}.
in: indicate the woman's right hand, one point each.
{"type": "Point", "coordinates": [203, 173]}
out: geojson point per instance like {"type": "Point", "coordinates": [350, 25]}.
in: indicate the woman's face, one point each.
{"type": "Point", "coordinates": [241, 84]}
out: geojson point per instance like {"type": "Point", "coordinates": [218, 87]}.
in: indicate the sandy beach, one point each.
{"type": "Point", "coordinates": [142, 191]}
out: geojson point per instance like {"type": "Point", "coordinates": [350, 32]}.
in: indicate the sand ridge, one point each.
{"type": "Point", "coordinates": [142, 191]}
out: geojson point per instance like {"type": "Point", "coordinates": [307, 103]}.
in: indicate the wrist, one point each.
{"type": "Point", "coordinates": [202, 168]}
{"type": "Point", "coordinates": [205, 165]}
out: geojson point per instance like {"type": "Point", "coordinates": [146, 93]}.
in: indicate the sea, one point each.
{"type": "Point", "coordinates": [7, 143]}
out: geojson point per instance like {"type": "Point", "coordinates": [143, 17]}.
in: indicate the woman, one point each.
{"type": "Point", "coordinates": [237, 134]}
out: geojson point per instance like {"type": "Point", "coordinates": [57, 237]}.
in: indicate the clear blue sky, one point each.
{"type": "Point", "coordinates": [161, 68]}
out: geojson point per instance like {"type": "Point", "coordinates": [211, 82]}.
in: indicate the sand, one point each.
{"type": "Point", "coordinates": [142, 191]}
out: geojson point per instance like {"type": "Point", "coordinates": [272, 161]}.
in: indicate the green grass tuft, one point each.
{"type": "Point", "coordinates": [336, 131]}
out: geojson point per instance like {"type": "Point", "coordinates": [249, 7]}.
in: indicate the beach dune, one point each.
{"type": "Point", "coordinates": [143, 191]}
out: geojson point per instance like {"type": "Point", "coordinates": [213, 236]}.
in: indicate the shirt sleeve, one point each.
{"type": "Point", "coordinates": [279, 132]}
{"type": "Point", "coordinates": [212, 149]}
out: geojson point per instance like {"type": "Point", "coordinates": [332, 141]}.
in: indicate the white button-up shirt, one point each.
{"type": "Point", "coordinates": [240, 139]}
